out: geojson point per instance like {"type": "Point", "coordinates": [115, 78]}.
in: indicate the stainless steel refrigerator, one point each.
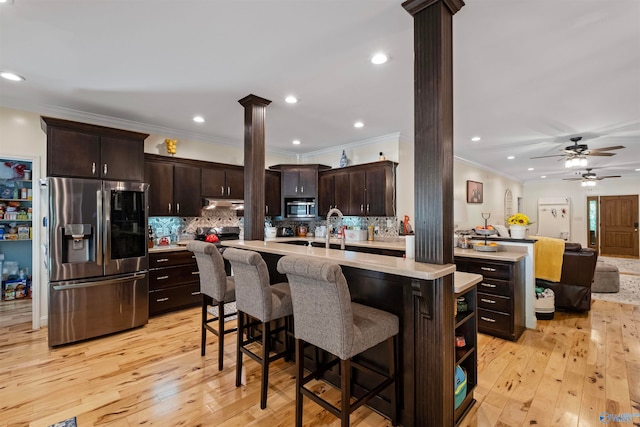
{"type": "Point", "coordinates": [96, 257]}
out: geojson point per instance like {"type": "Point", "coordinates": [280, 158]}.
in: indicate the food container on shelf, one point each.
{"type": "Point", "coordinates": [489, 247]}
{"type": "Point", "coordinates": [357, 235]}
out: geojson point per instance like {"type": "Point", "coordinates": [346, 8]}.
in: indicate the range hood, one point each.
{"type": "Point", "coordinates": [212, 203]}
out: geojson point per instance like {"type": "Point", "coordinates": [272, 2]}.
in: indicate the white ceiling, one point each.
{"type": "Point", "coordinates": [528, 74]}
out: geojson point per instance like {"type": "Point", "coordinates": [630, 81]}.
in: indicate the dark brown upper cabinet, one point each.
{"type": "Point", "coordinates": [272, 199]}
{"type": "Point", "coordinates": [174, 187]}
{"type": "Point", "coordinates": [333, 191]}
{"type": "Point", "coordinates": [223, 182]}
{"type": "Point", "coordinates": [361, 190]}
{"type": "Point", "coordinates": [86, 151]}
{"type": "Point", "coordinates": [299, 181]}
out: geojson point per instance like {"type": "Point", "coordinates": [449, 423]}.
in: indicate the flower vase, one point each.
{"type": "Point", "coordinates": [518, 231]}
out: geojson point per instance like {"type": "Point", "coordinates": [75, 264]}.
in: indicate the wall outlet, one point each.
{"type": "Point", "coordinates": [389, 223]}
{"type": "Point", "coordinates": [376, 229]}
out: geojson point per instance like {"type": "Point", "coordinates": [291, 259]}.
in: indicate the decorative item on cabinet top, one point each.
{"type": "Point", "coordinates": [171, 146]}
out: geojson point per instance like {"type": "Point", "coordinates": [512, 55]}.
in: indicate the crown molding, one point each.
{"type": "Point", "coordinates": [488, 169]}
{"type": "Point", "coordinates": [392, 137]}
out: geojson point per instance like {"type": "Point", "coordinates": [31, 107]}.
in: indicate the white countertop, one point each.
{"type": "Point", "coordinates": [395, 243]}
{"type": "Point", "coordinates": [463, 281]}
{"type": "Point", "coordinates": [384, 264]}
{"type": "Point", "coordinates": [502, 255]}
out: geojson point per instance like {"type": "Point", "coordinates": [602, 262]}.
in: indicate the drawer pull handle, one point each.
{"type": "Point", "coordinates": [487, 319]}
{"type": "Point", "coordinates": [487, 269]}
{"type": "Point", "coordinates": [195, 293]}
{"type": "Point", "coordinates": [195, 272]}
{"type": "Point", "coordinates": [488, 285]}
{"type": "Point", "coordinates": [193, 256]}
{"type": "Point", "coordinates": [162, 277]}
{"type": "Point", "coordinates": [162, 260]}
{"type": "Point", "coordinates": [162, 299]}
{"type": "Point", "coordinates": [490, 301]}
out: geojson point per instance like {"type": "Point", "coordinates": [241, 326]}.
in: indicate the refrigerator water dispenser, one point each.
{"type": "Point", "coordinates": [78, 243]}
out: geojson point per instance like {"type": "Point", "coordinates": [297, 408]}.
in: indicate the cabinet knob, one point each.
{"type": "Point", "coordinates": [195, 272]}
{"type": "Point", "coordinates": [162, 277]}
{"type": "Point", "coordinates": [361, 208]}
{"type": "Point", "coordinates": [489, 301]}
{"type": "Point", "coordinates": [488, 285]}
{"type": "Point", "coordinates": [195, 293]}
{"type": "Point", "coordinates": [302, 189]}
{"type": "Point", "coordinates": [487, 319]}
{"type": "Point", "coordinates": [177, 207]}
{"type": "Point", "coordinates": [169, 207]}
{"type": "Point", "coordinates": [222, 190]}
{"type": "Point", "coordinates": [228, 191]}
{"type": "Point", "coordinates": [487, 269]}
{"type": "Point", "coordinates": [162, 299]}
{"type": "Point", "coordinates": [162, 260]}
{"type": "Point", "coordinates": [296, 189]}
{"type": "Point", "coordinates": [266, 209]}
{"type": "Point", "coordinates": [368, 210]}
{"type": "Point", "coordinates": [93, 168]}
{"type": "Point", "coordinates": [104, 169]}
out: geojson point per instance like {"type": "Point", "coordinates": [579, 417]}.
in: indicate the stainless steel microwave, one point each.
{"type": "Point", "coordinates": [300, 209]}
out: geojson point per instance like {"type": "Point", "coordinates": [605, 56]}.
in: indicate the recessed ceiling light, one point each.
{"type": "Point", "coordinates": [637, 170]}
{"type": "Point", "coordinates": [543, 176]}
{"type": "Point", "coordinates": [530, 169]}
{"type": "Point", "coordinates": [511, 157]}
{"type": "Point", "coordinates": [476, 139]}
{"type": "Point", "coordinates": [358, 124]}
{"type": "Point", "coordinates": [296, 142]}
{"type": "Point", "coordinates": [6, 1]}
{"type": "Point", "coordinates": [379, 58]}
{"type": "Point", "coordinates": [11, 76]}
{"type": "Point", "coordinates": [291, 99]}
{"type": "Point", "coordinates": [198, 119]}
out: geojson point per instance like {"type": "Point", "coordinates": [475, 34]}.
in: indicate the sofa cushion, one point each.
{"type": "Point", "coordinates": [573, 247]}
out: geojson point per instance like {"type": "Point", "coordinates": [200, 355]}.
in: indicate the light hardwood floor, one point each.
{"type": "Point", "coordinates": [565, 373]}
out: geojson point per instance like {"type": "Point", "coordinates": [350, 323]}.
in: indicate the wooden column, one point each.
{"type": "Point", "coordinates": [433, 97]}
{"type": "Point", "coordinates": [433, 81]}
{"type": "Point", "coordinates": [254, 135]}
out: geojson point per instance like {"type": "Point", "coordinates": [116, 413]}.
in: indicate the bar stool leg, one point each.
{"type": "Point", "coordinates": [239, 348]}
{"type": "Point", "coordinates": [392, 373]}
{"type": "Point", "coordinates": [266, 331]}
{"type": "Point", "coordinates": [220, 335]}
{"type": "Point", "coordinates": [299, 378]}
{"type": "Point", "coordinates": [203, 340]}
{"type": "Point", "coordinates": [345, 379]}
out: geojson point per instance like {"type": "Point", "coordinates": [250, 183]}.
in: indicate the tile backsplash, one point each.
{"type": "Point", "coordinates": [221, 217]}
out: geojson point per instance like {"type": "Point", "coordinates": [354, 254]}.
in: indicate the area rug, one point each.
{"type": "Point", "coordinates": [71, 422]}
{"type": "Point", "coordinates": [629, 281]}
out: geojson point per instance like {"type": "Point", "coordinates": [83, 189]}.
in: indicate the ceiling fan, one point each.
{"type": "Point", "coordinates": [575, 155]}
{"type": "Point", "coordinates": [589, 178]}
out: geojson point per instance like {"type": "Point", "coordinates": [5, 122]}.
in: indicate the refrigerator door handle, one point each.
{"type": "Point", "coordinates": [107, 226]}
{"type": "Point", "coordinates": [99, 282]}
{"type": "Point", "coordinates": [99, 228]}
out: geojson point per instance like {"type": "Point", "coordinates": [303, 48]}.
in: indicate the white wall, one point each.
{"type": "Point", "coordinates": [494, 187]}
{"type": "Point", "coordinates": [578, 194]}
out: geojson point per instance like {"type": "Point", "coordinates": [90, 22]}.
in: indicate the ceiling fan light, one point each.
{"type": "Point", "coordinates": [583, 161]}
{"type": "Point", "coordinates": [584, 183]}
{"type": "Point", "coordinates": [568, 163]}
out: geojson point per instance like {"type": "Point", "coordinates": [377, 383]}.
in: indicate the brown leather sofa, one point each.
{"type": "Point", "coordinates": [573, 291]}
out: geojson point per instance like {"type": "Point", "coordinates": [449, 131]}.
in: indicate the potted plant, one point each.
{"type": "Point", "coordinates": [518, 224]}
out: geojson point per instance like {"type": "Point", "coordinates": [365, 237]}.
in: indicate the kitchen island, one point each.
{"type": "Point", "coordinates": [422, 296]}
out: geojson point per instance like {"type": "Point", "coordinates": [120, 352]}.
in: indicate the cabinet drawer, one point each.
{"type": "Point", "coordinates": [494, 321]}
{"type": "Point", "coordinates": [495, 287]}
{"type": "Point", "coordinates": [494, 302]}
{"type": "Point", "coordinates": [168, 259]}
{"type": "Point", "coordinates": [172, 298]}
{"type": "Point", "coordinates": [168, 277]}
{"type": "Point", "coordinates": [490, 269]}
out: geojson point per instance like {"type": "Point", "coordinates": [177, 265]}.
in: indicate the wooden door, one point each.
{"type": "Point", "coordinates": [272, 198]}
{"type": "Point", "coordinates": [213, 182]}
{"type": "Point", "coordinates": [73, 154]}
{"type": "Point", "coordinates": [159, 176]}
{"type": "Point", "coordinates": [357, 200]}
{"type": "Point", "coordinates": [619, 225]}
{"type": "Point", "coordinates": [326, 191]}
{"type": "Point", "coordinates": [121, 159]}
{"type": "Point", "coordinates": [235, 183]}
{"type": "Point", "coordinates": [375, 192]}
{"type": "Point", "coordinates": [186, 190]}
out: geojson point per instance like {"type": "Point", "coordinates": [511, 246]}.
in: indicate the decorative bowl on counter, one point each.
{"type": "Point", "coordinates": [489, 247]}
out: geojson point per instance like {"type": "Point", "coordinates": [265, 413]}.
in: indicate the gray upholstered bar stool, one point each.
{"type": "Point", "coordinates": [257, 298]}
{"type": "Point", "coordinates": [325, 317]}
{"type": "Point", "coordinates": [216, 289]}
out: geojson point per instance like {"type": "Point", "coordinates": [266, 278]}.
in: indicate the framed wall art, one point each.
{"type": "Point", "coordinates": [474, 192]}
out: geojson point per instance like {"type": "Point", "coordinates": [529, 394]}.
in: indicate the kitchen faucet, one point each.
{"type": "Point", "coordinates": [339, 213]}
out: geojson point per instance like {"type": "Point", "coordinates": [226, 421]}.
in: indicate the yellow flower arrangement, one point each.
{"type": "Point", "coordinates": [519, 219]}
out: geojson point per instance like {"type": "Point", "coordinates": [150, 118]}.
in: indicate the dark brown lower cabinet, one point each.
{"type": "Point", "coordinates": [466, 326]}
{"type": "Point", "coordinates": [501, 311]}
{"type": "Point", "coordinates": [174, 281]}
